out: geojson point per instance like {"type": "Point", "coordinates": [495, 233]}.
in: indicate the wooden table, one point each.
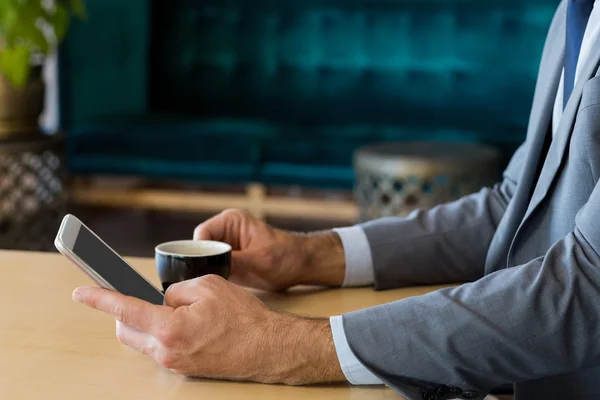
{"type": "Point", "coordinates": [52, 348]}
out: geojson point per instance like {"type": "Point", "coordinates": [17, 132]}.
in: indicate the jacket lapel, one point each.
{"type": "Point", "coordinates": [559, 145]}
{"type": "Point", "coordinates": [542, 109]}
{"type": "Point", "coordinates": [539, 122]}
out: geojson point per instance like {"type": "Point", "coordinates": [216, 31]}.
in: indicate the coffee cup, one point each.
{"type": "Point", "coordinates": [188, 259]}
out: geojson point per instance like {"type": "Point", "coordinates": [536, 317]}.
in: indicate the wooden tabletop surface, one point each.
{"type": "Point", "coordinates": [52, 348]}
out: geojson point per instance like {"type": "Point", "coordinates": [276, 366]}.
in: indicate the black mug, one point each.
{"type": "Point", "coordinates": [188, 259]}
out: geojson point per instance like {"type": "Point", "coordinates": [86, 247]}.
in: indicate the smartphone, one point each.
{"type": "Point", "coordinates": [101, 263]}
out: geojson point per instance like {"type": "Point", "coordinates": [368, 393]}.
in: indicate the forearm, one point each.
{"type": "Point", "coordinates": [515, 325]}
{"type": "Point", "coordinates": [426, 247]}
{"type": "Point", "coordinates": [301, 351]}
{"type": "Point", "coordinates": [324, 262]}
{"type": "Point", "coordinates": [446, 244]}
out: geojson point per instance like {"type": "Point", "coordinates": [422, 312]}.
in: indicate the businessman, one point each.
{"type": "Point", "coordinates": [529, 246]}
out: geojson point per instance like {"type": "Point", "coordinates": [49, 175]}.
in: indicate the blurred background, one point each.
{"type": "Point", "coordinates": [154, 115]}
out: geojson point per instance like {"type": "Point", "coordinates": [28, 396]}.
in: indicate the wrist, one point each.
{"type": "Point", "coordinates": [323, 262]}
{"type": "Point", "coordinates": [303, 352]}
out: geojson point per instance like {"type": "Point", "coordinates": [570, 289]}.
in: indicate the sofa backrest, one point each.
{"type": "Point", "coordinates": [298, 84]}
{"type": "Point", "coordinates": [463, 63]}
{"type": "Point", "coordinates": [455, 64]}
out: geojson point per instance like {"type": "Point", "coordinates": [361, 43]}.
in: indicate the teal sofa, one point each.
{"type": "Point", "coordinates": [283, 92]}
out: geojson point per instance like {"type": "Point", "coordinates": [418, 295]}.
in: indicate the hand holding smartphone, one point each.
{"type": "Point", "coordinates": [101, 263]}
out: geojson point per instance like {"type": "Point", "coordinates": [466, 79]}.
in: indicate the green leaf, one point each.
{"type": "Point", "coordinates": [61, 21]}
{"type": "Point", "coordinates": [14, 62]}
{"type": "Point", "coordinates": [9, 22]}
{"type": "Point", "coordinates": [37, 39]}
{"type": "Point", "coordinates": [28, 30]}
{"type": "Point", "coordinates": [7, 5]}
{"type": "Point", "coordinates": [78, 8]}
{"type": "Point", "coordinates": [23, 31]}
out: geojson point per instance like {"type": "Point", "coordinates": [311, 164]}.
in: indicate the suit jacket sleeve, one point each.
{"type": "Point", "coordinates": [448, 243]}
{"type": "Point", "coordinates": [527, 322]}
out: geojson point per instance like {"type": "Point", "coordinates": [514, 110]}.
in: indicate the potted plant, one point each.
{"type": "Point", "coordinates": [30, 30]}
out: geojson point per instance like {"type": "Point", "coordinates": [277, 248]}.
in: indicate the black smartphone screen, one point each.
{"type": "Point", "coordinates": [113, 269]}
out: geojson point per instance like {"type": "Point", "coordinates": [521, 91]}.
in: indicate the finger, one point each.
{"type": "Point", "coordinates": [183, 293]}
{"type": "Point", "coordinates": [191, 291]}
{"type": "Point", "coordinates": [136, 339]}
{"type": "Point", "coordinates": [209, 230]}
{"type": "Point", "coordinates": [224, 227]}
{"type": "Point", "coordinates": [129, 310]}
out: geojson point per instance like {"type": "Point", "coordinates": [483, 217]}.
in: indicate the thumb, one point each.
{"type": "Point", "coordinates": [225, 227]}
{"type": "Point", "coordinates": [208, 231]}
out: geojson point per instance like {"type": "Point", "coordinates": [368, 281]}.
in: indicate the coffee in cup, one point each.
{"type": "Point", "coordinates": [188, 259]}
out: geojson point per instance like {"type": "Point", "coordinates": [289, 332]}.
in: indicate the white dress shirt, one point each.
{"type": "Point", "coordinates": [359, 264]}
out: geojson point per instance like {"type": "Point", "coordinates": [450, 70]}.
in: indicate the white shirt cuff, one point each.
{"type": "Point", "coordinates": [357, 252]}
{"type": "Point", "coordinates": [353, 370]}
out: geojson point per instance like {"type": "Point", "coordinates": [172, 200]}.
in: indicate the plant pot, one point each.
{"type": "Point", "coordinates": [20, 108]}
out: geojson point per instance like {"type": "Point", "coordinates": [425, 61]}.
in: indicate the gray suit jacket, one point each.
{"type": "Point", "coordinates": [531, 245]}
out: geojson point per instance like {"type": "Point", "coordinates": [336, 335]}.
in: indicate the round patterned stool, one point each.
{"type": "Point", "coordinates": [32, 192]}
{"type": "Point", "coordinates": [399, 177]}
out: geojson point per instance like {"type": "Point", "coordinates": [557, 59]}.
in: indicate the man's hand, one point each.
{"type": "Point", "coordinates": [212, 328]}
{"type": "Point", "coordinates": [271, 259]}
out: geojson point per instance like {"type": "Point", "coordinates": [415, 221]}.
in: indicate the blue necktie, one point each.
{"type": "Point", "coordinates": [578, 13]}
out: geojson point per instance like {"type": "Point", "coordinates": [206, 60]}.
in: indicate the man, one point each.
{"type": "Point", "coordinates": [530, 246]}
